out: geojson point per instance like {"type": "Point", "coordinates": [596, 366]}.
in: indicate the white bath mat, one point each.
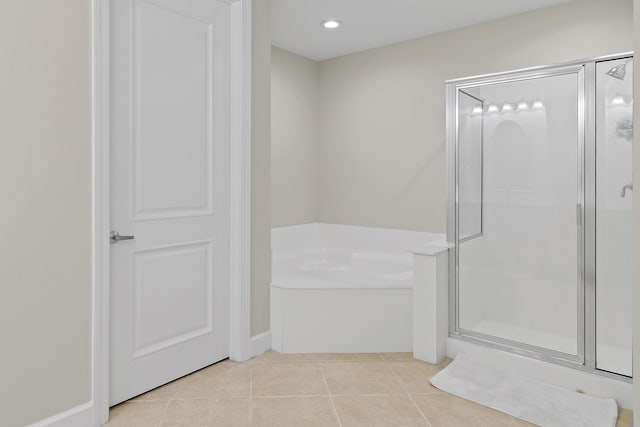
{"type": "Point", "coordinates": [534, 401]}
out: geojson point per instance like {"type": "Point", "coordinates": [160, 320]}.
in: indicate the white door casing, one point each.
{"type": "Point", "coordinates": [170, 178]}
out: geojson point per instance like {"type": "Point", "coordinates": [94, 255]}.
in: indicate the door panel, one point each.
{"type": "Point", "coordinates": [169, 187]}
{"type": "Point", "coordinates": [166, 112]}
{"type": "Point", "coordinates": [155, 271]}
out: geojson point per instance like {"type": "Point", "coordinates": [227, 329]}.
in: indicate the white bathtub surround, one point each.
{"type": "Point", "coordinates": [348, 320]}
{"type": "Point", "coordinates": [339, 288]}
{"type": "Point", "coordinates": [530, 400]}
{"type": "Point", "coordinates": [430, 303]}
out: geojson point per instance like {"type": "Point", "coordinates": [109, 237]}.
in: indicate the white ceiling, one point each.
{"type": "Point", "coordinates": [295, 24]}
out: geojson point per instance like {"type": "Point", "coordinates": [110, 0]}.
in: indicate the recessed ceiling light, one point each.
{"type": "Point", "coordinates": [331, 24]}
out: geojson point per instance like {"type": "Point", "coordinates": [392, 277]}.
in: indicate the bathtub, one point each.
{"type": "Point", "coordinates": [343, 289]}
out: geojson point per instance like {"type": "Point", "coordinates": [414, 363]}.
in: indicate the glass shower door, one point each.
{"type": "Point", "coordinates": [519, 212]}
{"type": "Point", "coordinates": [614, 111]}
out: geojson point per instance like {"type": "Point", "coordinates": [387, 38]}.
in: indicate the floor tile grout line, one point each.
{"type": "Point", "coordinates": [279, 396]}
{"type": "Point", "coordinates": [164, 413]}
{"type": "Point", "coordinates": [409, 395]}
{"type": "Point", "coordinates": [314, 357]}
{"type": "Point", "coordinates": [367, 394]}
{"type": "Point", "coordinates": [291, 396]}
{"type": "Point", "coordinates": [333, 404]}
{"type": "Point", "coordinates": [203, 397]}
{"type": "Point", "coordinates": [419, 410]}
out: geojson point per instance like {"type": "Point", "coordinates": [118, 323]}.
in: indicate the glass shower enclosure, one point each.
{"type": "Point", "coordinates": [539, 202]}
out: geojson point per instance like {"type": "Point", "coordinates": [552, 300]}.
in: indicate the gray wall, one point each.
{"type": "Point", "coordinates": [383, 110]}
{"type": "Point", "coordinates": [45, 188]}
{"type": "Point", "coordinates": [294, 139]}
{"type": "Point", "coordinates": [260, 167]}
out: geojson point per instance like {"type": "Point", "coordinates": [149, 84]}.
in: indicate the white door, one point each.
{"type": "Point", "coordinates": [169, 293]}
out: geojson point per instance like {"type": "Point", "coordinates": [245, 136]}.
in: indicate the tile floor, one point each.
{"type": "Point", "coordinates": [304, 390]}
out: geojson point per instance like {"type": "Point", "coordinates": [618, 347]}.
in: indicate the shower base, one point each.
{"type": "Point", "coordinates": [618, 359]}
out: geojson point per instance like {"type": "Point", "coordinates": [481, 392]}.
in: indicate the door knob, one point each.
{"type": "Point", "coordinates": [115, 237]}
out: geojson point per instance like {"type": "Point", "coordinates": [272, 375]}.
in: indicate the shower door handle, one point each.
{"type": "Point", "coordinates": [579, 214]}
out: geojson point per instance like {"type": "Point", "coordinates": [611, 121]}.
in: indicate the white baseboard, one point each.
{"type": "Point", "coordinates": [260, 343]}
{"type": "Point", "coordinates": [80, 416]}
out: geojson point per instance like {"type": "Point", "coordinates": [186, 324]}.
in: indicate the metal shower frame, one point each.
{"type": "Point", "coordinates": [586, 212]}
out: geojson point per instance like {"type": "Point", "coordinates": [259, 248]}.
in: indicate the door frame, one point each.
{"type": "Point", "coordinates": [240, 195]}
{"type": "Point", "coordinates": [455, 87]}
